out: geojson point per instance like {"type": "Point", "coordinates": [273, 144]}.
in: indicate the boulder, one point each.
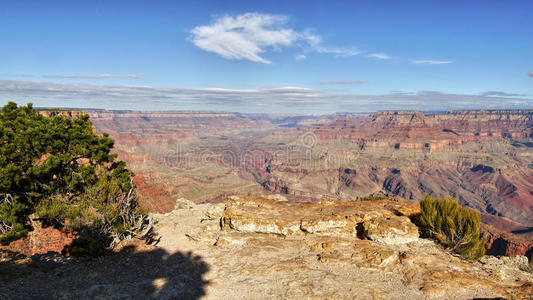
{"type": "Point", "coordinates": [391, 230]}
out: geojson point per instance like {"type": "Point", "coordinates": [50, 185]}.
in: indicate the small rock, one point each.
{"type": "Point", "coordinates": [518, 261]}
{"type": "Point", "coordinates": [183, 203]}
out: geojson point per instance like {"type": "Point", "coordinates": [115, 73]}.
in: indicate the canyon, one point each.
{"type": "Point", "coordinates": [484, 158]}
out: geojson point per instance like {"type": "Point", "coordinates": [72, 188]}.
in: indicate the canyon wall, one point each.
{"type": "Point", "coordinates": [483, 158]}
{"type": "Point", "coordinates": [182, 154]}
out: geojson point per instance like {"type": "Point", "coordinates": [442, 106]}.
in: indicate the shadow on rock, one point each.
{"type": "Point", "coordinates": [127, 274]}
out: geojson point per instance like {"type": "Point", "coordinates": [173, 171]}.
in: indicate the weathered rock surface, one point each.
{"type": "Point", "coordinates": [336, 249]}
{"type": "Point", "coordinates": [378, 221]}
{"type": "Point", "coordinates": [266, 248]}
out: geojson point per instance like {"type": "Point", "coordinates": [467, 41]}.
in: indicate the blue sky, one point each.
{"type": "Point", "coordinates": [268, 56]}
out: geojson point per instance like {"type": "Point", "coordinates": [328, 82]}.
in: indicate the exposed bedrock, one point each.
{"type": "Point", "coordinates": [339, 249]}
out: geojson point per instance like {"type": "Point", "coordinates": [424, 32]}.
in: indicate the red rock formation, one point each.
{"type": "Point", "coordinates": [41, 240]}
{"type": "Point", "coordinates": [506, 244]}
{"type": "Point", "coordinates": [165, 127]}
{"type": "Point", "coordinates": [154, 197]}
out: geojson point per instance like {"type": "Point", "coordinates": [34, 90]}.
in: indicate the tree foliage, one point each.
{"type": "Point", "coordinates": [452, 225]}
{"type": "Point", "coordinates": [60, 170]}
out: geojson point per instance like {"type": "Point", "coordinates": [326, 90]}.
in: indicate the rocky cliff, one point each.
{"type": "Point", "coordinates": [412, 129]}
{"type": "Point", "coordinates": [134, 128]}
{"type": "Point", "coordinates": [502, 243]}
{"type": "Point", "coordinates": [336, 249]}
{"type": "Point", "coordinates": [61, 112]}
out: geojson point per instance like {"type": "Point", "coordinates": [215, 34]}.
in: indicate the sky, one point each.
{"type": "Point", "coordinates": [311, 57]}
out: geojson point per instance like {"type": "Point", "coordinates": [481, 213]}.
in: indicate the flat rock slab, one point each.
{"type": "Point", "coordinates": [379, 220]}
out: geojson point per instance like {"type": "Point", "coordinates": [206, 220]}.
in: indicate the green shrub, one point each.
{"type": "Point", "coordinates": [452, 225]}
{"type": "Point", "coordinates": [372, 198]}
{"type": "Point", "coordinates": [60, 170]}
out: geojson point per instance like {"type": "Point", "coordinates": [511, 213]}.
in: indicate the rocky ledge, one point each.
{"type": "Point", "coordinates": [271, 248]}
{"type": "Point", "coordinates": [268, 248]}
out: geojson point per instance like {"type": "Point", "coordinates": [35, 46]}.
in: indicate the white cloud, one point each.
{"type": "Point", "coordinates": [431, 62]}
{"type": "Point", "coordinates": [379, 56]}
{"type": "Point", "coordinates": [249, 35]}
{"type": "Point", "coordinates": [245, 36]}
{"type": "Point", "coordinates": [101, 76]}
{"type": "Point", "coordinates": [300, 57]}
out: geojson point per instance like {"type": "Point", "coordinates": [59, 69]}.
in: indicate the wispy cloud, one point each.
{"type": "Point", "coordinates": [501, 94]}
{"type": "Point", "coordinates": [300, 57]}
{"type": "Point", "coordinates": [250, 35]}
{"type": "Point", "coordinates": [431, 62]}
{"type": "Point", "coordinates": [268, 99]}
{"type": "Point", "coordinates": [316, 44]}
{"type": "Point", "coordinates": [379, 56]}
{"type": "Point", "coordinates": [341, 82]}
{"type": "Point", "coordinates": [101, 76]}
{"type": "Point", "coordinates": [338, 52]}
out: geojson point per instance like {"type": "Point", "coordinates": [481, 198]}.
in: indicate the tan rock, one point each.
{"type": "Point", "coordinates": [391, 230]}
{"type": "Point", "coordinates": [518, 261]}
{"type": "Point", "coordinates": [330, 218]}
